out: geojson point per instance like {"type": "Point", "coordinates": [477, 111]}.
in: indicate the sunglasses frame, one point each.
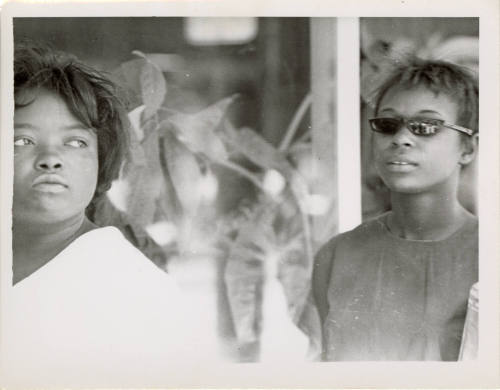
{"type": "Point", "coordinates": [405, 121]}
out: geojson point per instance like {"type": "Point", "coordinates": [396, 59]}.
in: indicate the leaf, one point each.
{"type": "Point", "coordinates": [145, 180]}
{"type": "Point", "coordinates": [153, 88]}
{"type": "Point", "coordinates": [139, 53]}
{"type": "Point", "coordinates": [295, 278]}
{"type": "Point", "coordinates": [184, 172]}
{"type": "Point", "coordinates": [228, 131]}
{"type": "Point", "coordinates": [299, 151]}
{"type": "Point", "coordinates": [213, 115]}
{"type": "Point", "coordinates": [134, 117]}
{"type": "Point", "coordinates": [136, 155]}
{"type": "Point", "coordinates": [168, 202]}
{"type": "Point", "coordinates": [244, 274]}
{"type": "Point", "coordinates": [294, 124]}
{"type": "Point", "coordinates": [260, 152]}
{"type": "Point", "coordinates": [268, 231]}
{"type": "Point", "coordinates": [167, 62]}
{"type": "Point", "coordinates": [300, 189]}
{"type": "Point", "coordinates": [198, 131]}
{"type": "Point", "coordinates": [244, 278]}
{"type": "Point", "coordinates": [129, 74]}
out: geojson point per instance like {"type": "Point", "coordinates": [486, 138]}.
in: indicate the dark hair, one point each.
{"type": "Point", "coordinates": [90, 96]}
{"type": "Point", "coordinates": [439, 77]}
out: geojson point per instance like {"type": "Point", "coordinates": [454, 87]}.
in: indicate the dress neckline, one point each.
{"type": "Point", "coordinates": [382, 221]}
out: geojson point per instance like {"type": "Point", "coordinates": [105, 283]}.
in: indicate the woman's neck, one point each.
{"type": "Point", "coordinates": [426, 216]}
{"type": "Point", "coordinates": [35, 245]}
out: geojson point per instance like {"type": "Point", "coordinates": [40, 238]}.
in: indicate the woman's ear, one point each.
{"type": "Point", "coordinates": [469, 149]}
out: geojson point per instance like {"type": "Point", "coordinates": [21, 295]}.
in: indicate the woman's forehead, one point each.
{"type": "Point", "coordinates": [28, 96]}
{"type": "Point", "coordinates": [47, 99]}
{"type": "Point", "coordinates": [418, 100]}
{"type": "Point", "coordinates": [25, 96]}
{"type": "Point", "coordinates": [46, 109]}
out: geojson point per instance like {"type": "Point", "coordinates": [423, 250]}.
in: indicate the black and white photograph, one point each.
{"type": "Point", "coordinates": [201, 195]}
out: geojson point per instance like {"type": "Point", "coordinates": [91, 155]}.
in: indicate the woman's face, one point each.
{"type": "Point", "coordinates": [409, 163]}
{"type": "Point", "coordinates": [55, 161]}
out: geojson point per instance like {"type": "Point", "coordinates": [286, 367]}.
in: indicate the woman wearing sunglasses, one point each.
{"type": "Point", "coordinates": [396, 287]}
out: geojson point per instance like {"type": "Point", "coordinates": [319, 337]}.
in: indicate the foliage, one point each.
{"type": "Point", "coordinates": [173, 177]}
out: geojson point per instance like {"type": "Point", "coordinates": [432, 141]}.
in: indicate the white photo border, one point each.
{"type": "Point", "coordinates": [485, 371]}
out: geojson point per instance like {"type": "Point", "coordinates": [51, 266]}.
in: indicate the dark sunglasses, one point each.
{"type": "Point", "coordinates": [424, 127]}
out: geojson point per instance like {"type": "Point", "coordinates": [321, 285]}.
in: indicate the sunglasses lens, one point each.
{"type": "Point", "coordinates": [424, 127]}
{"type": "Point", "coordinates": [385, 125]}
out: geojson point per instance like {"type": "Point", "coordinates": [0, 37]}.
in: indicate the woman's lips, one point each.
{"type": "Point", "coordinates": [50, 183]}
{"type": "Point", "coordinates": [401, 166]}
{"type": "Point", "coordinates": [54, 188]}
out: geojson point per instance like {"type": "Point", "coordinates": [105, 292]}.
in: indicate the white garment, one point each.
{"type": "Point", "coordinates": [470, 338]}
{"type": "Point", "coordinates": [98, 314]}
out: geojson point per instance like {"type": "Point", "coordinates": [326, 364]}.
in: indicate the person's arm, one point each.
{"type": "Point", "coordinates": [321, 278]}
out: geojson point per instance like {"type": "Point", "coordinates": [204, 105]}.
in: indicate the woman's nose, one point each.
{"type": "Point", "coordinates": [403, 137]}
{"type": "Point", "coordinates": [49, 160]}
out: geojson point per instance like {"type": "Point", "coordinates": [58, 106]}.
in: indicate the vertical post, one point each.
{"type": "Point", "coordinates": [348, 124]}
{"type": "Point", "coordinates": [336, 123]}
{"type": "Point", "coordinates": [323, 121]}
{"type": "Point", "coordinates": [271, 30]}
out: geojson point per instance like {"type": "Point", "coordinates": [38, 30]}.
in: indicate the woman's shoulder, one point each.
{"type": "Point", "coordinates": [107, 255]}
{"type": "Point", "coordinates": [109, 242]}
{"type": "Point", "coordinates": [370, 230]}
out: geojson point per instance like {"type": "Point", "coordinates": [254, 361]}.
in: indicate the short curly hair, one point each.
{"type": "Point", "coordinates": [90, 95]}
{"type": "Point", "coordinates": [457, 82]}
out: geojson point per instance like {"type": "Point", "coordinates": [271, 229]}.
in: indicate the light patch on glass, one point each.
{"type": "Point", "coordinates": [274, 182]}
{"type": "Point", "coordinates": [118, 194]}
{"type": "Point", "coordinates": [311, 168]}
{"type": "Point", "coordinates": [281, 340]}
{"type": "Point", "coordinates": [315, 204]}
{"type": "Point", "coordinates": [208, 187]}
{"type": "Point", "coordinates": [220, 31]}
{"type": "Point", "coordinates": [162, 233]}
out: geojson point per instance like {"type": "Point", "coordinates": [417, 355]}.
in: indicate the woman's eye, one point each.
{"type": "Point", "coordinates": [23, 141]}
{"type": "Point", "coordinates": [77, 143]}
